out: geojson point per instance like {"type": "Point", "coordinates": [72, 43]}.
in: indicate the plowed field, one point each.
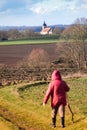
{"type": "Point", "coordinates": [12, 54]}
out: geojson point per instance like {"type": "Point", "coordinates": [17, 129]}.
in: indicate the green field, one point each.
{"type": "Point", "coordinates": [21, 106]}
{"type": "Point", "coordinates": [33, 41]}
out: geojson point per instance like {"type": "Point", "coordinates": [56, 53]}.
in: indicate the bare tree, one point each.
{"type": "Point", "coordinates": [81, 25]}
{"type": "Point", "coordinates": [77, 34]}
{"type": "Point", "coordinates": [57, 31]}
{"type": "Point", "coordinates": [13, 34]}
{"type": "Point", "coordinates": [3, 35]}
{"type": "Point", "coordinates": [28, 33]}
{"type": "Point", "coordinates": [71, 53]}
{"type": "Point", "coordinates": [38, 58]}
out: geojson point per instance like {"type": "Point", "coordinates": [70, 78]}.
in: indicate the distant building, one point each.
{"type": "Point", "coordinates": [45, 30]}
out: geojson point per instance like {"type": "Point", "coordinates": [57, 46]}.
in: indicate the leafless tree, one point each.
{"type": "Point", "coordinates": [28, 33]}
{"type": "Point", "coordinates": [71, 53]}
{"type": "Point", "coordinates": [3, 35]}
{"type": "Point", "coordinates": [81, 25]}
{"type": "Point", "coordinates": [76, 35]}
{"type": "Point", "coordinates": [38, 58]}
{"type": "Point", "coordinates": [57, 30]}
{"type": "Point", "coordinates": [14, 34]}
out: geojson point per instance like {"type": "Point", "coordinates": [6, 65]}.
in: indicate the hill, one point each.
{"type": "Point", "coordinates": [21, 105]}
{"type": "Point", "coordinates": [35, 28]}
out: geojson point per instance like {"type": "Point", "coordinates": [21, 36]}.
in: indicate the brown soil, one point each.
{"type": "Point", "coordinates": [12, 54]}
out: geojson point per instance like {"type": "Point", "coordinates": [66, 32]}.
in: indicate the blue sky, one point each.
{"type": "Point", "coordinates": [34, 12]}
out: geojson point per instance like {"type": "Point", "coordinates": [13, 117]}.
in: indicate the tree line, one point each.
{"type": "Point", "coordinates": [15, 34]}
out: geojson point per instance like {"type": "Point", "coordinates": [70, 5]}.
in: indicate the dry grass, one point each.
{"type": "Point", "coordinates": [6, 125]}
{"type": "Point", "coordinates": [75, 75]}
{"type": "Point", "coordinates": [26, 111]}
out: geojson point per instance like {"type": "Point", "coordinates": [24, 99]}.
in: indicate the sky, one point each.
{"type": "Point", "coordinates": [35, 12]}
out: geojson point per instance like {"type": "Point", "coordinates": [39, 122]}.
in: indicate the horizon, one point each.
{"type": "Point", "coordinates": [35, 12]}
{"type": "Point", "coordinates": [33, 25]}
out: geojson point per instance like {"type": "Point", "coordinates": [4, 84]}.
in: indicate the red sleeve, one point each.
{"type": "Point", "coordinates": [66, 87]}
{"type": "Point", "coordinates": [48, 93]}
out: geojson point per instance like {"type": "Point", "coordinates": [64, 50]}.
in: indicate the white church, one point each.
{"type": "Point", "coordinates": [45, 29]}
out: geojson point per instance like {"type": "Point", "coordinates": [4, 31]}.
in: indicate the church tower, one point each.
{"type": "Point", "coordinates": [45, 30]}
{"type": "Point", "coordinates": [44, 25]}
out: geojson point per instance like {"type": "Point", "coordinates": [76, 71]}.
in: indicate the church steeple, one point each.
{"type": "Point", "coordinates": [44, 25]}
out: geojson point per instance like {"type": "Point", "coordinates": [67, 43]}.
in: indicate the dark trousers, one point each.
{"type": "Point", "coordinates": [61, 110]}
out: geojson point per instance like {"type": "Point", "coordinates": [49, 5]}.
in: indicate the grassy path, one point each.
{"type": "Point", "coordinates": [22, 106]}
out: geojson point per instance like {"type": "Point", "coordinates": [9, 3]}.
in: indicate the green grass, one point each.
{"type": "Point", "coordinates": [28, 41]}
{"type": "Point", "coordinates": [22, 106]}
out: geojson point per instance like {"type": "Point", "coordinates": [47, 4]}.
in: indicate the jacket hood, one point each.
{"type": "Point", "coordinates": [56, 75]}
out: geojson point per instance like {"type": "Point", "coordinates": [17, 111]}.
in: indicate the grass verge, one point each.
{"type": "Point", "coordinates": [22, 106]}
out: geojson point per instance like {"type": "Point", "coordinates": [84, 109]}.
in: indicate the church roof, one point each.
{"type": "Point", "coordinates": [47, 29]}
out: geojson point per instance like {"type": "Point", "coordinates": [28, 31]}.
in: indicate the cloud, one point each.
{"type": "Point", "coordinates": [84, 4]}
{"type": "Point", "coordinates": [42, 6]}
{"type": "Point", "coordinates": [9, 11]}
{"type": "Point", "coordinates": [45, 6]}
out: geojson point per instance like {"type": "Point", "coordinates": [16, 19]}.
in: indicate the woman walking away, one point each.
{"type": "Point", "coordinates": [57, 91]}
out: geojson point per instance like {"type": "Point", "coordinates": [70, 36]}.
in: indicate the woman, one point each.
{"type": "Point", "coordinates": [57, 90]}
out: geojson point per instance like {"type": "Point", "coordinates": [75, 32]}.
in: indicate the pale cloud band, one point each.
{"type": "Point", "coordinates": [47, 6]}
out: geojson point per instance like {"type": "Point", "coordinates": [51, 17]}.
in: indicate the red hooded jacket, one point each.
{"type": "Point", "coordinates": [57, 90]}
